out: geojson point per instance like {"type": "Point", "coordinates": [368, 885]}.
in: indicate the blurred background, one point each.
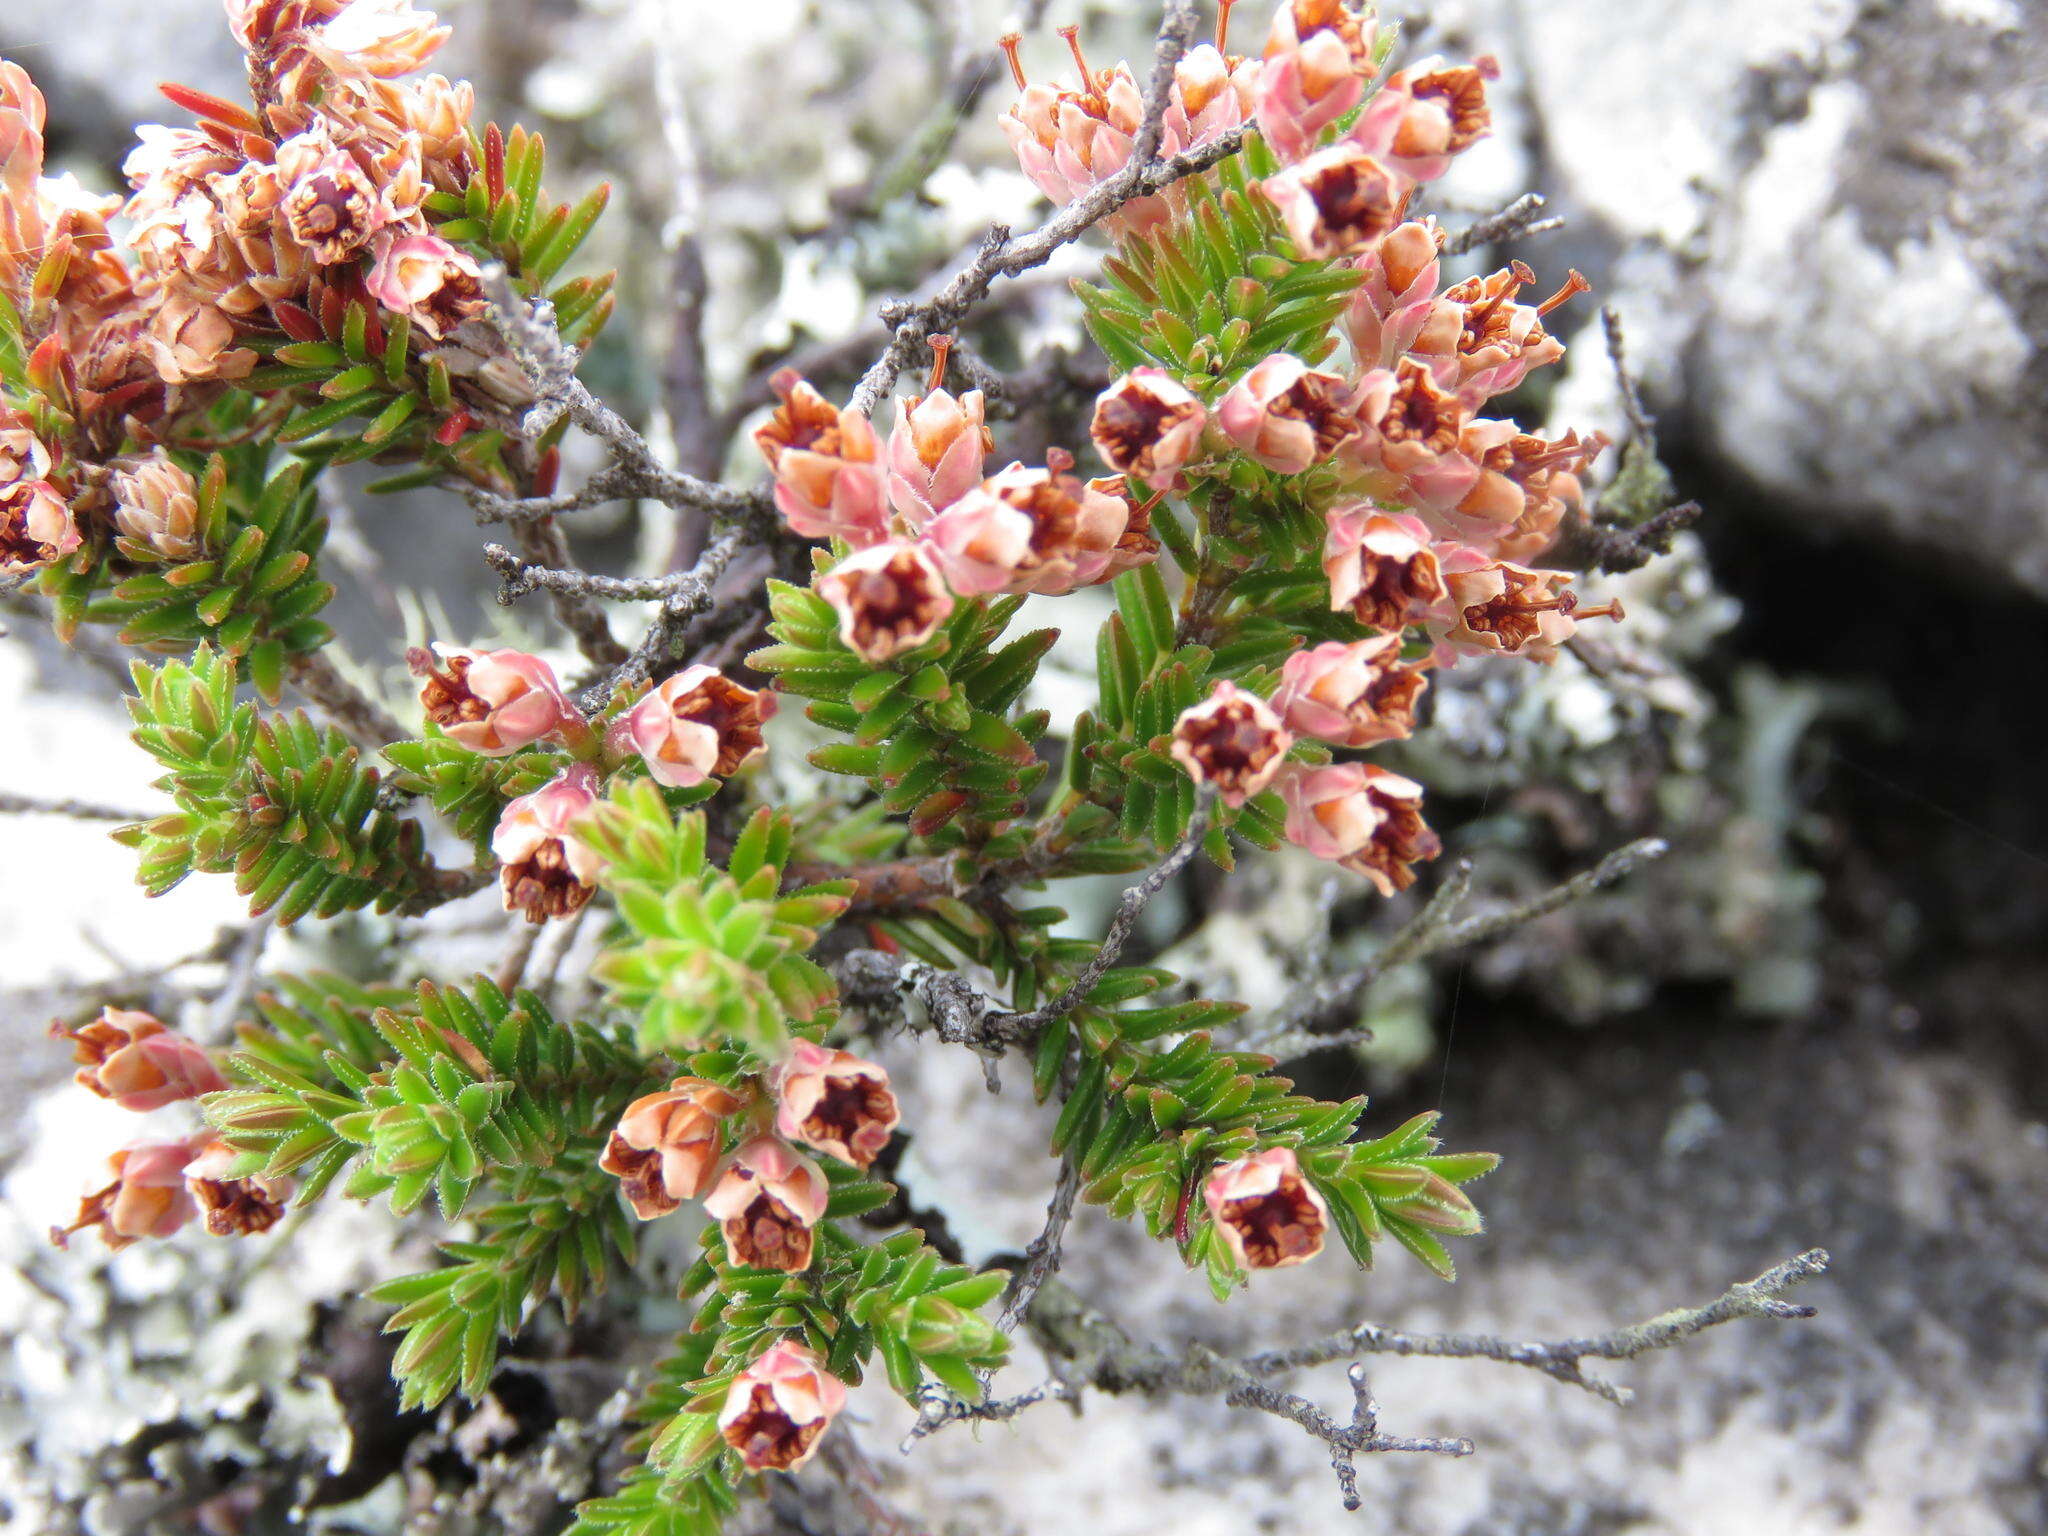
{"type": "Point", "coordinates": [1822, 1020]}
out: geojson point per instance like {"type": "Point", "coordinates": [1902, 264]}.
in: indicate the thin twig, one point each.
{"type": "Point", "coordinates": [542, 541]}
{"type": "Point", "coordinates": [1517, 221]}
{"type": "Point", "coordinates": [368, 723]}
{"type": "Point", "coordinates": [78, 810]}
{"type": "Point", "coordinates": [1042, 1258]}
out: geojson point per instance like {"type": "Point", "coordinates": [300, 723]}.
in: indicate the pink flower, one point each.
{"type": "Point", "coordinates": [1496, 607]}
{"type": "Point", "coordinates": [827, 466]}
{"type": "Point", "coordinates": [546, 871]}
{"type": "Point", "coordinates": [1318, 59]}
{"type": "Point", "coordinates": [836, 1102]}
{"type": "Point", "coordinates": [1355, 695]}
{"type": "Point", "coordinates": [936, 453]}
{"type": "Point", "coordinates": [665, 1149]}
{"type": "Point", "coordinates": [23, 455]}
{"type": "Point", "coordinates": [1212, 94]}
{"type": "Point", "coordinates": [492, 702]}
{"type": "Point", "coordinates": [1381, 566]}
{"type": "Point", "coordinates": [766, 1202]}
{"type": "Point", "coordinates": [1232, 739]}
{"type": "Point", "coordinates": [1269, 1215]}
{"type": "Point", "coordinates": [1362, 817]}
{"type": "Point", "coordinates": [1148, 424]}
{"type": "Point", "coordinates": [697, 725]}
{"type": "Point", "coordinates": [1338, 200]}
{"type": "Point", "coordinates": [425, 277]}
{"type": "Point", "coordinates": [1409, 447]}
{"type": "Point", "coordinates": [1516, 473]}
{"type": "Point", "coordinates": [778, 1408]}
{"type": "Point", "coordinates": [130, 1057]}
{"type": "Point", "coordinates": [36, 529]}
{"type": "Point", "coordinates": [1395, 308]}
{"type": "Point", "coordinates": [1286, 415]}
{"type": "Point", "coordinates": [1039, 530]}
{"type": "Point", "coordinates": [1489, 343]}
{"type": "Point", "coordinates": [890, 598]}
{"type": "Point", "coordinates": [145, 1197]}
{"type": "Point", "coordinates": [234, 1207]}
{"type": "Point", "coordinates": [381, 39]}
{"type": "Point", "coordinates": [1425, 116]}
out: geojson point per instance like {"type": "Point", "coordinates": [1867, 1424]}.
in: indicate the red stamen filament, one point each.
{"type": "Point", "coordinates": [941, 345]}
{"type": "Point", "coordinates": [1008, 43]}
{"type": "Point", "coordinates": [1575, 282]}
{"type": "Point", "coordinates": [1610, 610]}
{"type": "Point", "coordinates": [1223, 25]}
{"type": "Point", "coordinates": [1073, 36]}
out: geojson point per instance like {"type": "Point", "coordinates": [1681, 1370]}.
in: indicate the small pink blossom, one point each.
{"type": "Point", "coordinates": [1233, 740]}
{"type": "Point", "coordinates": [1427, 115]}
{"type": "Point", "coordinates": [1408, 448]}
{"type": "Point", "coordinates": [1039, 530]}
{"type": "Point", "coordinates": [1489, 343]}
{"type": "Point", "coordinates": [1318, 60]}
{"type": "Point", "coordinates": [1362, 817]}
{"type": "Point", "coordinates": [827, 465]}
{"type": "Point", "coordinates": [146, 1195]}
{"type": "Point", "coordinates": [1338, 201]}
{"type": "Point", "coordinates": [36, 529]}
{"type": "Point", "coordinates": [1266, 1212]}
{"type": "Point", "coordinates": [380, 39]}
{"type": "Point", "coordinates": [1287, 415]}
{"type": "Point", "coordinates": [492, 702]}
{"type": "Point", "coordinates": [698, 724]}
{"type": "Point", "coordinates": [1149, 424]}
{"type": "Point", "coordinates": [234, 1206]}
{"type": "Point", "coordinates": [1355, 695]}
{"type": "Point", "coordinates": [1495, 607]}
{"type": "Point", "coordinates": [546, 870]}
{"type": "Point", "coordinates": [1381, 566]}
{"type": "Point", "coordinates": [437, 284]}
{"type": "Point", "coordinates": [766, 1202]}
{"type": "Point", "coordinates": [666, 1146]}
{"type": "Point", "coordinates": [890, 598]}
{"type": "Point", "coordinates": [778, 1408]}
{"type": "Point", "coordinates": [936, 453]}
{"type": "Point", "coordinates": [834, 1101]}
{"type": "Point", "coordinates": [1395, 307]}
{"type": "Point", "coordinates": [130, 1057]}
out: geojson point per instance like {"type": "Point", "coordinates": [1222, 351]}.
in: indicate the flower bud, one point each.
{"type": "Point", "coordinates": [1381, 566]}
{"type": "Point", "coordinates": [1362, 817]}
{"type": "Point", "coordinates": [697, 725]}
{"type": "Point", "coordinates": [546, 871]}
{"type": "Point", "coordinates": [1337, 201]}
{"type": "Point", "coordinates": [1233, 740]}
{"type": "Point", "coordinates": [1318, 59]}
{"type": "Point", "coordinates": [156, 505]}
{"type": "Point", "coordinates": [1355, 695]}
{"type": "Point", "coordinates": [827, 466]}
{"type": "Point", "coordinates": [834, 1102]}
{"type": "Point", "coordinates": [1148, 424]}
{"type": "Point", "coordinates": [1286, 415]}
{"type": "Point", "coordinates": [35, 527]}
{"type": "Point", "coordinates": [666, 1147]}
{"type": "Point", "coordinates": [492, 702]}
{"type": "Point", "coordinates": [936, 453]}
{"type": "Point", "coordinates": [1426, 115]}
{"type": "Point", "coordinates": [890, 598]}
{"type": "Point", "coordinates": [777, 1409]}
{"type": "Point", "coordinates": [1269, 1215]}
{"type": "Point", "coordinates": [130, 1057]}
{"type": "Point", "coordinates": [146, 1196]}
{"type": "Point", "coordinates": [423, 276]}
{"type": "Point", "coordinates": [190, 340]}
{"type": "Point", "coordinates": [766, 1202]}
{"type": "Point", "coordinates": [234, 1207]}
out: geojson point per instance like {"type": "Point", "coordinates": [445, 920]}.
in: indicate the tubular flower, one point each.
{"type": "Point", "coordinates": [666, 1146]}
{"type": "Point", "coordinates": [766, 1202]}
{"type": "Point", "coordinates": [130, 1057]}
{"type": "Point", "coordinates": [835, 1102]}
{"type": "Point", "coordinates": [1286, 415]}
{"type": "Point", "coordinates": [827, 466]}
{"type": "Point", "coordinates": [547, 871]}
{"type": "Point", "coordinates": [778, 1408]}
{"type": "Point", "coordinates": [1148, 424]}
{"type": "Point", "coordinates": [1427, 115]}
{"type": "Point", "coordinates": [1497, 607]}
{"type": "Point", "coordinates": [1039, 530]}
{"type": "Point", "coordinates": [1355, 695]}
{"type": "Point", "coordinates": [35, 527]}
{"type": "Point", "coordinates": [425, 277]}
{"type": "Point", "coordinates": [1362, 817]}
{"type": "Point", "coordinates": [1338, 200]}
{"type": "Point", "coordinates": [697, 725]}
{"type": "Point", "coordinates": [1516, 472]}
{"type": "Point", "coordinates": [1269, 1215]}
{"type": "Point", "coordinates": [144, 1197]}
{"type": "Point", "coordinates": [234, 1207]}
{"type": "Point", "coordinates": [1410, 446]}
{"type": "Point", "coordinates": [1318, 60]}
{"type": "Point", "coordinates": [492, 702]}
{"type": "Point", "coordinates": [890, 598]}
{"type": "Point", "coordinates": [1395, 308]}
{"type": "Point", "coordinates": [936, 453]}
{"type": "Point", "coordinates": [1381, 566]}
{"type": "Point", "coordinates": [156, 505]}
{"type": "Point", "coordinates": [1232, 739]}
{"type": "Point", "coordinates": [1497, 342]}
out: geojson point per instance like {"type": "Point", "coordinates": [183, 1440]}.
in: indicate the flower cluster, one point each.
{"type": "Point", "coordinates": [155, 1187]}
{"type": "Point", "coordinates": [767, 1198]}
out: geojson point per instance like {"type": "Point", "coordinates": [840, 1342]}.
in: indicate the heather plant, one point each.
{"type": "Point", "coordinates": [1312, 501]}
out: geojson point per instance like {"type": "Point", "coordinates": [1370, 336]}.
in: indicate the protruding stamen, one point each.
{"type": "Point", "coordinates": [1574, 282]}
{"type": "Point", "coordinates": [1058, 460]}
{"type": "Point", "coordinates": [941, 345]}
{"type": "Point", "coordinates": [1009, 42]}
{"type": "Point", "coordinates": [1072, 34]}
{"type": "Point", "coordinates": [1608, 610]}
{"type": "Point", "coordinates": [1223, 26]}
